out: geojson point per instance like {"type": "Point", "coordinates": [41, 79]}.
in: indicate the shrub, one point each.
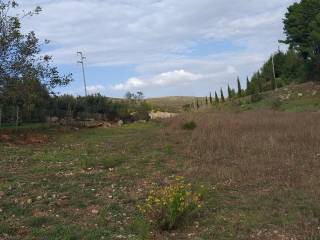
{"type": "Point", "coordinates": [256, 98]}
{"type": "Point", "coordinates": [276, 104]}
{"type": "Point", "coordinates": [168, 206]}
{"type": "Point", "coordinates": [189, 125]}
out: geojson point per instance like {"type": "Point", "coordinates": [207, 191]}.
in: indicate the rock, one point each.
{"type": "Point", "coordinates": [95, 211]}
{"type": "Point", "coordinates": [29, 201]}
{"type": "Point", "coordinates": [300, 95]}
{"type": "Point", "coordinates": [107, 125]}
{"type": "Point", "coordinates": [314, 93]}
{"type": "Point", "coordinates": [120, 123]}
{"type": "Point", "coordinates": [52, 119]}
{"type": "Point", "coordinates": [142, 121]}
{"type": "Point", "coordinates": [161, 115]}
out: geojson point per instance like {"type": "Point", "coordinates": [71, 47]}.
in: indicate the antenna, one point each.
{"type": "Point", "coordinates": [83, 72]}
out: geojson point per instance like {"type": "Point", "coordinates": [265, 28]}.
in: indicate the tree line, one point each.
{"type": "Point", "coordinates": [300, 63]}
{"type": "Point", "coordinates": [28, 81]}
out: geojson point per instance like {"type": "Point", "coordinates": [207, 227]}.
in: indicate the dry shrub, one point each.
{"type": "Point", "coordinates": [264, 147]}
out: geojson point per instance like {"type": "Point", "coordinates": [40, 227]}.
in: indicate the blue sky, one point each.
{"type": "Point", "coordinates": [161, 47]}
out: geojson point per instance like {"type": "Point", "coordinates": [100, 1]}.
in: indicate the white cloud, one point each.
{"type": "Point", "coordinates": [177, 77]}
{"type": "Point", "coordinates": [157, 36]}
{"type": "Point", "coordinates": [95, 89]}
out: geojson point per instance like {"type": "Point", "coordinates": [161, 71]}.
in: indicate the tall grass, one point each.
{"type": "Point", "coordinates": [266, 147]}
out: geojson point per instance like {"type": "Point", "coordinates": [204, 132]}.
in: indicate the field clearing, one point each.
{"type": "Point", "coordinates": [260, 171]}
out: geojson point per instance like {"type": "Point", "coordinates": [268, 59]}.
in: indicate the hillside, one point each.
{"type": "Point", "coordinates": [170, 104]}
{"type": "Point", "coordinates": [292, 98]}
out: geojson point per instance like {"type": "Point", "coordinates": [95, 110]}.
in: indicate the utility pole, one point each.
{"type": "Point", "coordinates": [84, 76]}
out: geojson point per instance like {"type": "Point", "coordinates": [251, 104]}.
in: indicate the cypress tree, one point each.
{"type": "Point", "coordinates": [239, 87]}
{"type": "Point", "coordinates": [248, 91]}
{"type": "Point", "coordinates": [207, 102]}
{"type": "Point", "coordinates": [211, 100]}
{"type": "Point", "coordinates": [216, 97]}
{"type": "Point", "coordinates": [259, 82]}
{"type": "Point", "coordinates": [198, 106]}
{"type": "Point", "coordinates": [230, 95]}
{"type": "Point", "coordinates": [222, 96]}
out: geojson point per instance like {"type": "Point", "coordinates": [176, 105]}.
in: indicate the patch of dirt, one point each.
{"type": "Point", "coordinates": [24, 139]}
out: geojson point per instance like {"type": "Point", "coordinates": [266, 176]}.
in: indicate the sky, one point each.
{"type": "Point", "coordinates": [159, 47]}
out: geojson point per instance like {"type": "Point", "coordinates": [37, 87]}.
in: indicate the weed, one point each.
{"type": "Point", "coordinates": [112, 161]}
{"type": "Point", "coordinates": [167, 206]}
{"type": "Point", "coordinates": [189, 125]}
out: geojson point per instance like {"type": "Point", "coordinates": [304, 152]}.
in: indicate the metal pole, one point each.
{"type": "Point", "coordinates": [83, 72]}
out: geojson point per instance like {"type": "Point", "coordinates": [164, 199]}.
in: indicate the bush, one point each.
{"type": "Point", "coordinates": [168, 206]}
{"type": "Point", "coordinates": [189, 125]}
{"type": "Point", "coordinates": [256, 98]}
{"type": "Point", "coordinates": [276, 104]}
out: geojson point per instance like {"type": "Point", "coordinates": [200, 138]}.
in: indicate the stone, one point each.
{"type": "Point", "coordinates": [120, 123]}
{"type": "Point", "coordinates": [95, 211]}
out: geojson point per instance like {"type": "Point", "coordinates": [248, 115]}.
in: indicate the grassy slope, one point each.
{"type": "Point", "coordinates": [284, 99]}
{"type": "Point", "coordinates": [171, 104]}
{"type": "Point", "coordinates": [292, 98]}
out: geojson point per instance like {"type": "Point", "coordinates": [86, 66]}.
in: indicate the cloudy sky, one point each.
{"type": "Point", "coordinates": [161, 47]}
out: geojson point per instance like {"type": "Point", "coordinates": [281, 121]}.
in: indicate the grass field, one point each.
{"type": "Point", "coordinates": [260, 171]}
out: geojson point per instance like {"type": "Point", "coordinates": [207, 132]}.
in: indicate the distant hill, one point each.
{"type": "Point", "coordinates": [171, 104]}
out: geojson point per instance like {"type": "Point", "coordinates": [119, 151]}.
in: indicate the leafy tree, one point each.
{"type": "Point", "coordinates": [140, 95]}
{"type": "Point", "coordinates": [302, 29]}
{"type": "Point", "coordinates": [25, 75]}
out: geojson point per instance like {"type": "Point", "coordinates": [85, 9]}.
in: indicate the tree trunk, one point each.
{"type": "Point", "coordinates": [0, 116]}
{"type": "Point", "coordinates": [17, 116]}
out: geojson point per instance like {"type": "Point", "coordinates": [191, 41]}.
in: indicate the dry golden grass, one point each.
{"type": "Point", "coordinates": [259, 155]}
{"type": "Point", "coordinates": [280, 148]}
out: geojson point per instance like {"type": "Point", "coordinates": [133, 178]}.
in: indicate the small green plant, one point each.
{"type": "Point", "coordinates": [168, 206]}
{"type": "Point", "coordinates": [189, 125]}
{"type": "Point", "coordinates": [276, 104]}
{"type": "Point", "coordinates": [168, 149]}
{"type": "Point", "coordinates": [112, 161]}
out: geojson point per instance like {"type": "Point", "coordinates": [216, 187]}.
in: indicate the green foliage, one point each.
{"type": "Point", "coordinates": [256, 98]}
{"type": "Point", "coordinates": [216, 98]}
{"type": "Point", "coordinates": [239, 87]}
{"type": "Point", "coordinates": [302, 29]}
{"type": "Point", "coordinates": [222, 96]}
{"type": "Point", "coordinates": [276, 104]}
{"type": "Point", "coordinates": [189, 125]}
{"type": "Point", "coordinates": [168, 206]}
{"type": "Point", "coordinates": [26, 77]}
